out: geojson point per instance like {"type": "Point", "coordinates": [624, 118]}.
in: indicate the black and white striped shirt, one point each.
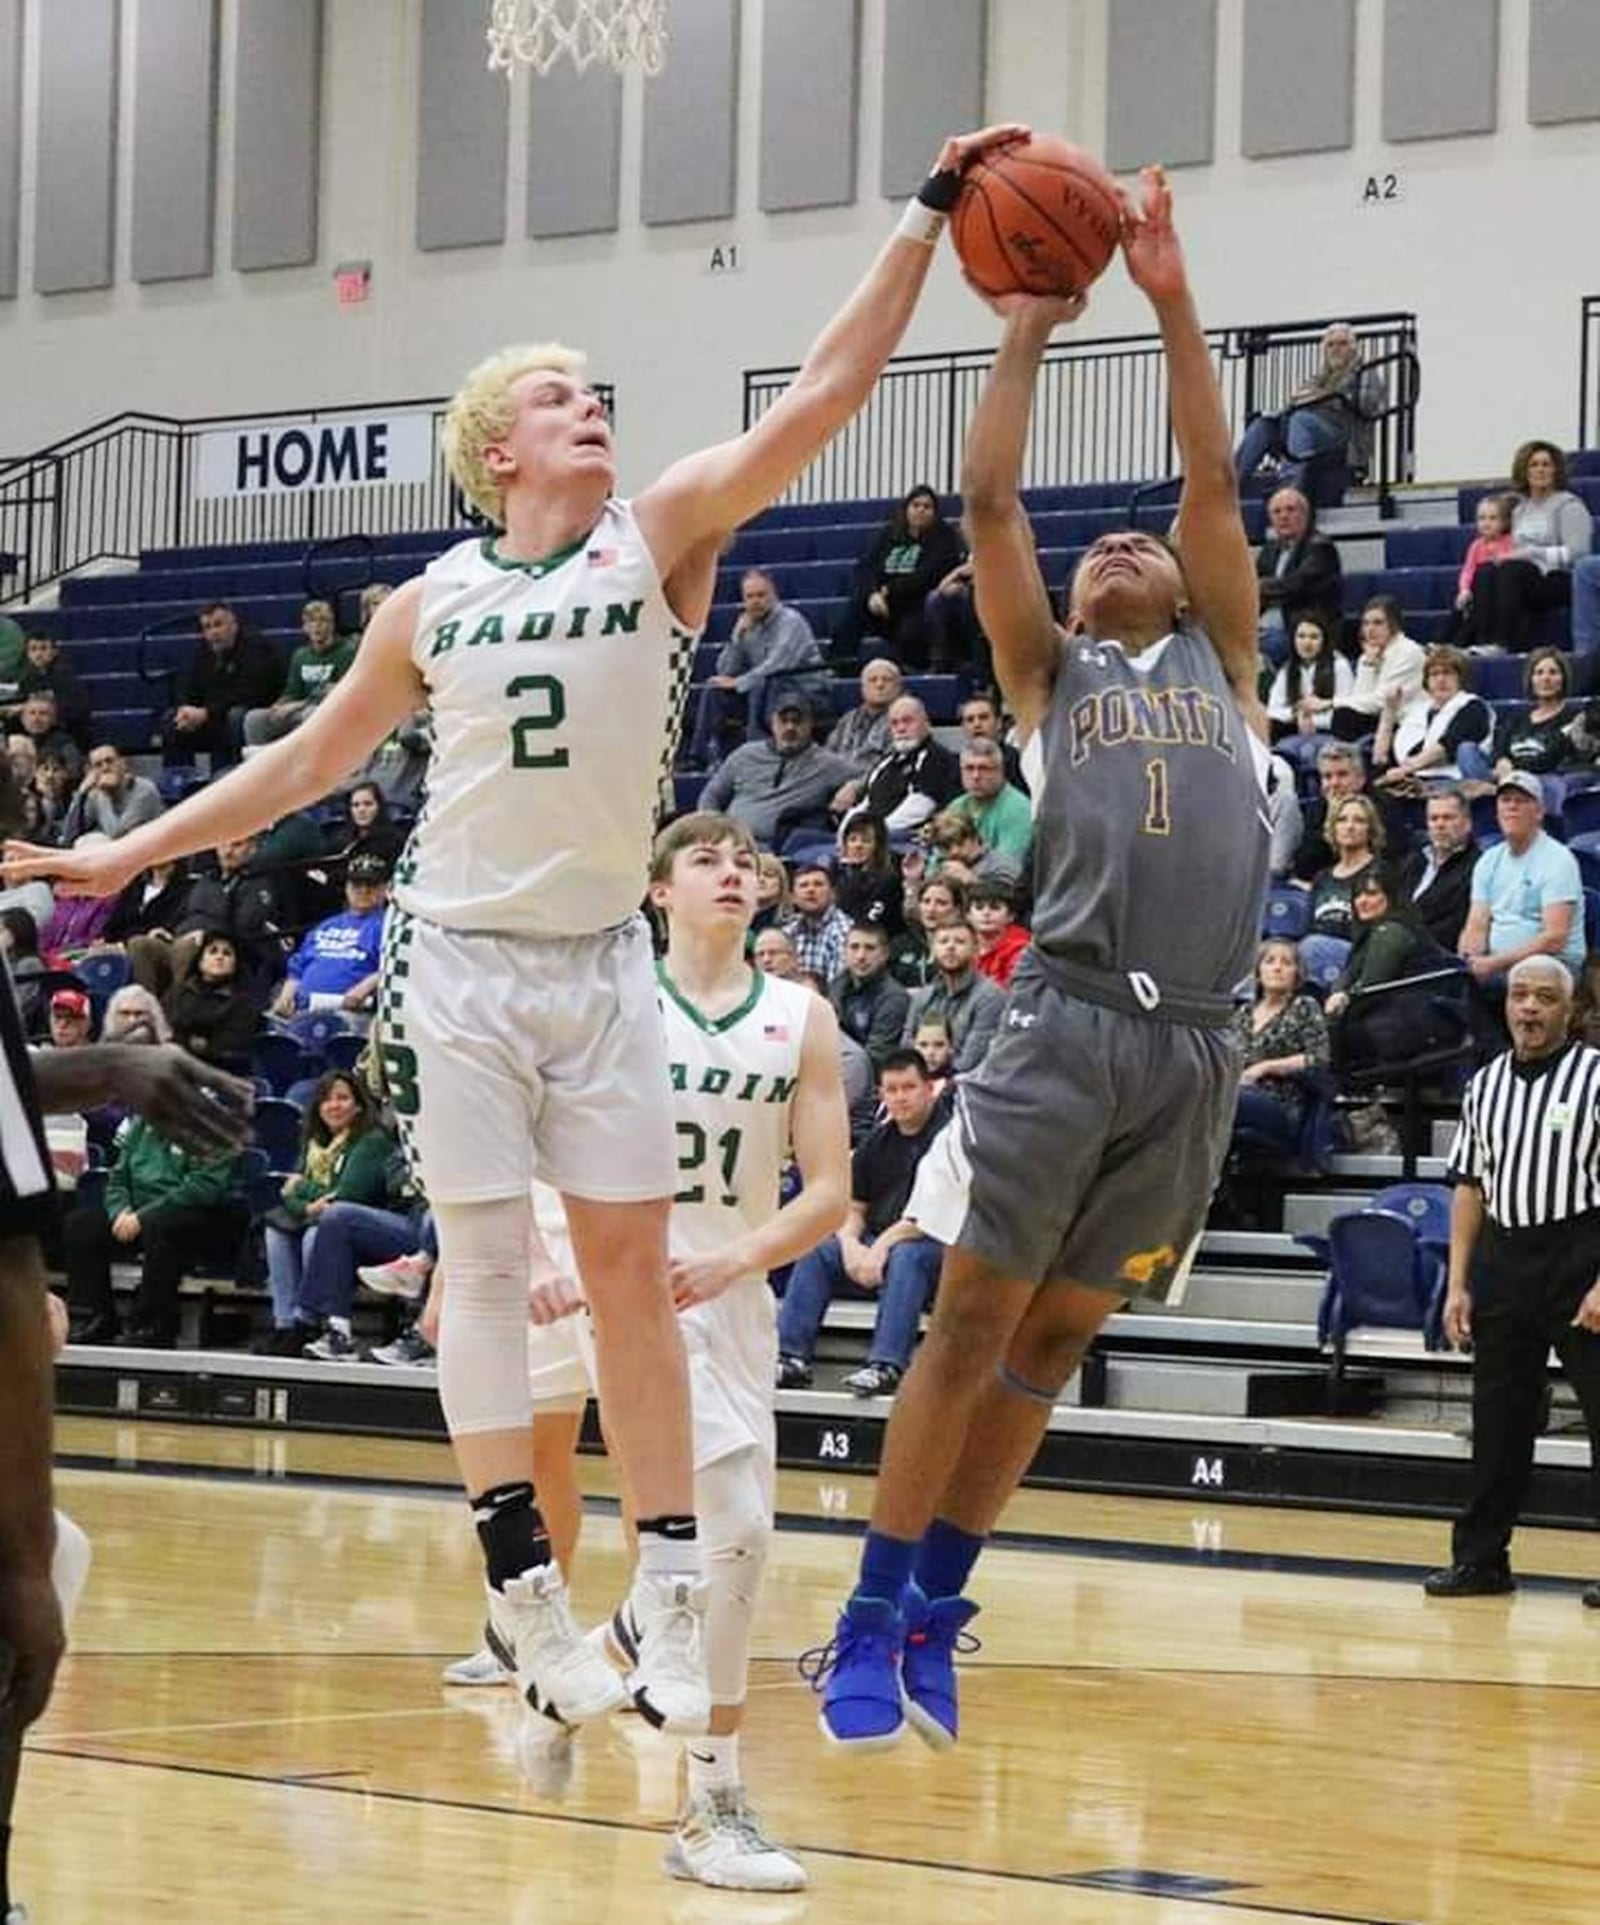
{"type": "Point", "coordinates": [1529, 1138]}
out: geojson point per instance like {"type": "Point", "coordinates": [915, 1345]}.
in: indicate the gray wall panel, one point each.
{"type": "Point", "coordinates": [75, 195]}
{"type": "Point", "coordinates": [810, 60]}
{"type": "Point", "coordinates": [1563, 61]}
{"type": "Point", "coordinates": [277, 143]}
{"type": "Point", "coordinates": [691, 116]}
{"type": "Point", "coordinates": [10, 142]}
{"type": "Point", "coordinates": [575, 152]}
{"type": "Point", "coordinates": [933, 75]}
{"type": "Point", "coordinates": [174, 139]}
{"type": "Point", "coordinates": [1299, 77]}
{"type": "Point", "coordinates": [1441, 65]}
{"type": "Point", "coordinates": [1161, 82]}
{"type": "Point", "coordinates": [463, 113]}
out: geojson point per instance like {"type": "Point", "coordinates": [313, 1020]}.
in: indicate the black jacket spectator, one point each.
{"type": "Point", "coordinates": [249, 675]}
{"type": "Point", "coordinates": [1442, 906]}
{"type": "Point", "coordinates": [213, 1013]}
{"type": "Point", "coordinates": [153, 900]}
{"type": "Point", "coordinates": [907, 560]}
{"type": "Point", "coordinates": [1301, 577]}
{"type": "Point", "coordinates": [46, 667]}
{"type": "Point", "coordinates": [246, 905]}
{"type": "Point", "coordinates": [914, 781]}
{"type": "Point", "coordinates": [873, 1012]}
{"type": "Point", "coordinates": [365, 829]}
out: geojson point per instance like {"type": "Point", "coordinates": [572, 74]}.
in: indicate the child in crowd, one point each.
{"type": "Point", "coordinates": [1494, 541]}
{"type": "Point", "coordinates": [1001, 938]}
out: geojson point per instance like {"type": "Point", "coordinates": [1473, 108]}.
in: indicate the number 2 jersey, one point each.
{"type": "Point", "coordinates": [554, 689]}
{"type": "Point", "coordinates": [1151, 836]}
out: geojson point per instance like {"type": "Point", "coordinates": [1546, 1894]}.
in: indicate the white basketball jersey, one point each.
{"type": "Point", "coordinates": [554, 689]}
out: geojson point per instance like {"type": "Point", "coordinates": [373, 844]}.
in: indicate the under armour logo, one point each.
{"type": "Point", "coordinates": [1020, 1019]}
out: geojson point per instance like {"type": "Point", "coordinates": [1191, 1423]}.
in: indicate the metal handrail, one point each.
{"type": "Point", "coordinates": [1589, 372]}
{"type": "Point", "coordinates": [1100, 412]}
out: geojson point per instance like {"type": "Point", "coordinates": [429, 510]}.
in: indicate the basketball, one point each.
{"type": "Point", "coordinates": [1040, 218]}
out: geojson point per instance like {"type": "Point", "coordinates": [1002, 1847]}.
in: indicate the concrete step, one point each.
{"type": "Point", "coordinates": [1311, 1214]}
{"type": "Point", "coordinates": [1262, 1297]}
{"type": "Point", "coordinates": [1213, 1390]}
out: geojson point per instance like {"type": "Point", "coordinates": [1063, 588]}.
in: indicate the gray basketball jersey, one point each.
{"type": "Point", "coordinates": [1150, 826]}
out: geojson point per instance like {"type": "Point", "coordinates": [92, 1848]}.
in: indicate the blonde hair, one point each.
{"type": "Point", "coordinates": [482, 412]}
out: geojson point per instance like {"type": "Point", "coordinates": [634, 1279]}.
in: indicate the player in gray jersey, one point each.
{"type": "Point", "coordinates": [1078, 1167]}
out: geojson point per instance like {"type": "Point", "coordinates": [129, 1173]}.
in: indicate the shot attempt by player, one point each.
{"type": "Point", "coordinates": [517, 1012]}
{"type": "Point", "coordinates": [754, 1066]}
{"type": "Point", "coordinates": [1079, 1164]}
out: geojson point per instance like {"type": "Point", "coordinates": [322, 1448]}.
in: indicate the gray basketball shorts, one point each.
{"type": "Point", "coordinates": [1085, 1148]}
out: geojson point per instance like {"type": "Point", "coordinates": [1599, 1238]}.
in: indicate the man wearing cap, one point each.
{"type": "Point", "coordinates": [771, 649]}
{"type": "Point", "coordinates": [782, 784]}
{"type": "Point", "coordinates": [71, 1019]}
{"type": "Point", "coordinates": [1527, 895]}
{"type": "Point", "coordinates": [336, 966]}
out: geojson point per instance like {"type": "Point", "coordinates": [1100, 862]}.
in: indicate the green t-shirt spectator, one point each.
{"type": "Point", "coordinates": [1004, 821]}
{"type": "Point", "coordinates": [313, 671]}
{"type": "Point", "coordinates": [13, 651]}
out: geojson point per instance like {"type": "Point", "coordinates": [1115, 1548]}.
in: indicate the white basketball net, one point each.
{"type": "Point", "coordinates": [538, 33]}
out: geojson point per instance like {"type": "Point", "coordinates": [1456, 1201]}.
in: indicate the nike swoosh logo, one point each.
{"type": "Point", "coordinates": [701, 1757]}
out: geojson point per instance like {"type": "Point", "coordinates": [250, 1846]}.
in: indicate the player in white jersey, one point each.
{"type": "Point", "coordinates": [520, 1033]}
{"type": "Point", "coordinates": [754, 1070]}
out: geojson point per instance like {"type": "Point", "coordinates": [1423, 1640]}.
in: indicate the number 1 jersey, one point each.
{"type": "Point", "coordinates": [554, 690]}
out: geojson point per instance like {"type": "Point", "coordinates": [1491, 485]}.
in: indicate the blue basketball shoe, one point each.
{"type": "Point", "coordinates": [935, 1632]}
{"type": "Point", "coordinates": [858, 1674]}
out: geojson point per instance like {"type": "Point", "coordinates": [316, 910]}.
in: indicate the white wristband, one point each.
{"type": "Point", "coordinates": [921, 223]}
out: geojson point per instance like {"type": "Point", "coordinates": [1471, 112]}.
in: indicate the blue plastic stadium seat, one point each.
{"type": "Point", "coordinates": [1498, 677]}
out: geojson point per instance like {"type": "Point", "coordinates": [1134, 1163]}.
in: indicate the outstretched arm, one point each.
{"type": "Point", "coordinates": [701, 498]}
{"type": "Point", "coordinates": [1209, 531]}
{"type": "Point", "coordinates": [1012, 600]}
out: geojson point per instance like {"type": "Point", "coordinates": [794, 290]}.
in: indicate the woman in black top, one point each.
{"type": "Point", "coordinates": [866, 878]}
{"type": "Point", "coordinates": [213, 1014]}
{"type": "Point", "coordinates": [908, 559]}
{"type": "Point", "coordinates": [1530, 736]}
{"type": "Point", "coordinates": [366, 829]}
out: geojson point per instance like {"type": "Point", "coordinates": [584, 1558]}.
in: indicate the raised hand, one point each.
{"type": "Point", "coordinates": [1149, 240]}
{"type": "Point", "coordinates": [961, 150]}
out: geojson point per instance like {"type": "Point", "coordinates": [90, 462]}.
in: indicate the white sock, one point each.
{"type": "Point", "coordinates": [667, 1556]}
{"type": "Point", "coordinates": [341, 1324]}
{"type": "Point", "coordinates": [713, 1764]}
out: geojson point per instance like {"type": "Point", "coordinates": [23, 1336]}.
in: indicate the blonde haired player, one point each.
{"type": "Point", "coordinates": [521, 1039]}
{"type": "Point", "coordinates": [755, 1072]}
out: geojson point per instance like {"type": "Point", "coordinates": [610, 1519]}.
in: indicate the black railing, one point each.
{"type": "Point", "coordinates": [1100, 408]}
{"type": "Point", "coordinates": [1588, 373]}
{"type": "Point", "coordinates": [131, 483]}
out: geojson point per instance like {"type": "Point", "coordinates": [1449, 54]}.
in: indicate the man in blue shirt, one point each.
{"type": "Point", "coordinates": [771, 649]}
{"type": "Point", "coordinates": [336, 966]}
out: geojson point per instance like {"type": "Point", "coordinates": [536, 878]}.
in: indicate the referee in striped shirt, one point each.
{"type": "Point", "coordinates": [1524, 1261]}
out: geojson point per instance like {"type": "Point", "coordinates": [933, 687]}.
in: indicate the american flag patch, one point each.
{"type": "Point", "coordinates": [774, 1032]}
{"type": "Point", "coordinates": [601, 557]}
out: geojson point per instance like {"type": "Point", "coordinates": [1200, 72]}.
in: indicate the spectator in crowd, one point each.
{"type": "Point", "coordinates": [817, 927]}
{"type": "Point", "coordinates": [1552, 529]}
{"type": "Point", "coordinates": [238, 898]}
{"type": "Point", "coordinates": [980, 720]}
{"type": "Point", "coordinates": [1001, 815]}
{"type": "Point", "coordinates": [164, 1205]}
{"type": "Point", "coordinates": [71, 1019]}
{"type": "Point", "coordinates": [957, 644]}
{"type": "Point", "coordinates": [1493, 541]}
{"type": "Point", "coordinates": [967, 1003]}
{"type": "Point", "coordinates": [29, 899]}
{"type": "Point", "coordinates": [1532, 734]}
{"type": "Point", "coordinates": [932, 1044]}
{"type": "Point", "coordinates": [344, 1158]}
{"type": "Point", "coordinates": [770, 648]}
{"type": "Point", "coordinates": [1390, 943]}
{"type": "Point", "coordinates": [77, 923]}
{"type": "Point", "coordinates": [150, 903]}
{"type": "Point", "coordinates": [1436, 880]}
{"type": "Point", "coordinates": [870, 1004]}
{"type": "Point", "coordinates": [1524, 1257]}
{"type": "Point", "coordinates": [1356, 843]}
{"type": "Point", "coordinates": [13, 651]}
{"type": "Point", "coordinates": [917, 777]}
{"type": "Point", "coordinates": [365, 828]}
{"type": "Point", "coordinates": [55, 783]}
{"type": "Point", "coordinates": [1331, 414]}
{"type": "Point", "coordinates": [866, 878]}
{"type": "Point", "coordinates": [782, 784]}
{"type": "Point", "coordinates": [47, 667]}
{"type": "Point", "coordinates": [1285, 819]}
{"type": "Point", "coordinates": [213, 1011]}
{"type": "Point", "coordinates": [134, 1016]}
{"type": "Point", "coordinates": [111, 799]}
{"type": "Point", "coordinates": [1298, 574]}
{"type": "Point", "coordinates": [1281, 1034]}
{"type": "Point", "coordinates": [930, 903]}
{"type": "Point", "coordinates": [861, 734]}
{"type": "Point", "coordinates": [336, 965]}
{"type": "Point", "coordinates": [1527, 895]}
{"type": "Point", "coordinates": [39, 719]}
{"type": "Point", "coordinates": [773, 954]}
{"type": "Point", "coordinates": [1340, 773]}
{"type": "Point", "coordinates": [772, 895]}
{"type": "Point", "coordinates": [230, 672]}
{"type": "Point", "coordinates": [1426, 739]}
{"type": "Point", "coordinates": [317, 665]}
{"type": "Point", "coordinates": [880, 1253]}
{"type": "Point", "coordinates": [1311, 684]}
{"type": "Point", "coordinates": [955, 848]}
{"type": "Point", "coordinates": [352, 1238]}
{"type": "Point", "coordinates": [908, 558]}
{"type": "Point", "coordinates": [19, 950]}
{"type": "Point", "coordinates": [1390, 668]}
{"type": "Point", "coordinates": [991, 909]}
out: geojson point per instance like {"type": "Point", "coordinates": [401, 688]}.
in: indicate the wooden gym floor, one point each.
{"type": "Point", "coordinates": [1181, 1715]}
